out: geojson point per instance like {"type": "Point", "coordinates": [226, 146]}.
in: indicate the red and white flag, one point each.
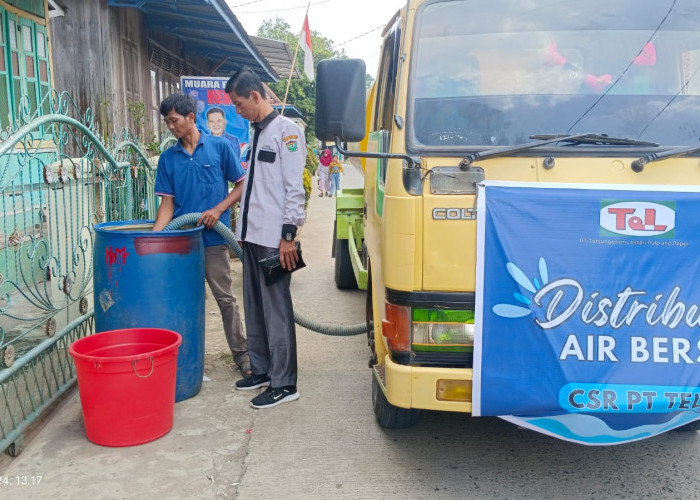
{"type": "Point", "coordinates": [305, 44]}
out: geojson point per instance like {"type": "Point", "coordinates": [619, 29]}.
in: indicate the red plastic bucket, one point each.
{"type": "Point", "coordinates": [126, 380]}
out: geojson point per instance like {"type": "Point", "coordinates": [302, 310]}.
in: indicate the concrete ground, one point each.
{"type": "Point", "coordinates": [327, 444]}
{"type": "Point", "coordinates": [209, 451]}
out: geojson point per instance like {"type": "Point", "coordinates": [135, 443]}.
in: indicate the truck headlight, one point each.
{"type": "Point", "coordinates": [442, 330]}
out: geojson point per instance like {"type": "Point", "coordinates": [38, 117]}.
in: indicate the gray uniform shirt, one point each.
{"type": "Point", "coordinates": [276, 196]}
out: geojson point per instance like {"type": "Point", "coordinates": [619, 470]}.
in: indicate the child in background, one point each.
{"type": "Point", "coordinates": [323, 172]}
{"type": "Point", "coordinates": [335, 168]}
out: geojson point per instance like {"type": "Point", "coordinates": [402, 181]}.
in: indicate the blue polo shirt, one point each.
{"type": "Point", "coordinates": [199, 181]}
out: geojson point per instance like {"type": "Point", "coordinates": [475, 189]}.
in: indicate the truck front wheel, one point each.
{"type": "Point", "coordinates": [388, 415]}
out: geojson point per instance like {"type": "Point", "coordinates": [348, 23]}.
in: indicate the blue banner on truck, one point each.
{"type": "Point", "coordinates": [588, 309]}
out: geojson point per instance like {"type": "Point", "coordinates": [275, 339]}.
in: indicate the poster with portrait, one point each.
{"type": "Point", "coordinates": [216, 115]}
{"type": "Point", "coordinates": [587, 320]}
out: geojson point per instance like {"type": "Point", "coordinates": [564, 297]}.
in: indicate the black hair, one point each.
{"type": "Point", "coordinates": [243, 82]}
{"type": "Point", "coordinates": [181, 103]}
{"type": "Point", "coordinates": [215, 110]}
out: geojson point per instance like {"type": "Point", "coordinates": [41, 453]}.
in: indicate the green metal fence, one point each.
{"type": "Point", "coordinates": [58, 177]}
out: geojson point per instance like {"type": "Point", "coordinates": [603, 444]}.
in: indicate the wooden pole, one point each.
{"type": "Point", "coordinates": [294, 60]}
{"type": "Point", "coordinates": [289, 80]}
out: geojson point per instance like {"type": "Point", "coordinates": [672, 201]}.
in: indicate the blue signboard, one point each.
{"type": "Point", "coordinates": [588, 309]}
{"type": "Point", "coordinates": [216, 114]}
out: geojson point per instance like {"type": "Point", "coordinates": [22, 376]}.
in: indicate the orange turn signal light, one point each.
{"type": "Point", "coordinates": [453, 390]}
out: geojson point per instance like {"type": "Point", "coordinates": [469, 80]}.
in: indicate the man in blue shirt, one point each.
{"type": "Point", "coordinates": [193, 176]}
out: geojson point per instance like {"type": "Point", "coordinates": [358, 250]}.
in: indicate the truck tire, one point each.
{"type": "Point", "coordinates": [344, 275]}
{"type": "Point", "coordinates": [388, 415]}
{"type": "Point", "coordinates": [335, 229]}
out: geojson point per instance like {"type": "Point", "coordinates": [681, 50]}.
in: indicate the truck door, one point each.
{"type": "Point", "coordinates": [382, 122]}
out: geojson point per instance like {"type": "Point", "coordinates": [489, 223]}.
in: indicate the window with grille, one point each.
{"type": "Point", "coordinates": [24, 65]}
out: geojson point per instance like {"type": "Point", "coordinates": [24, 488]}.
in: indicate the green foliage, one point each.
{"type": "Point", "coordinates": [311, 160]}
{"type": "Point", "coordinates": [369, 80]}
{"type": "Point", "coordinates": [137, 111]}
{"type": "Point", "coordinates": [307, 188]}
{"type": "Point", "coordinates": [302, 92]}
{"type": "Point", "coordinates": [153, 145]}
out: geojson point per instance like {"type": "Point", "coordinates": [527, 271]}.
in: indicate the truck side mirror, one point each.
{"type": "Point", "coordinates": [340, 100]}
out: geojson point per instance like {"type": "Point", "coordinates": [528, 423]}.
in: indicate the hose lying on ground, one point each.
{"type": "Point", "coordinates": [333, 330]}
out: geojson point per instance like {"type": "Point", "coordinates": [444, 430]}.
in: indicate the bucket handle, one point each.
{"type": "Point", "coordinates": [133, 366]}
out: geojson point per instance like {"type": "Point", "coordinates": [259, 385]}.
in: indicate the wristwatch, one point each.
{"type": "Point", "coordinates": [289, 232]}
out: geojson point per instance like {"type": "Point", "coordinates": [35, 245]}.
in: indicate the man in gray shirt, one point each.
{"type": "Point", "coordinates": [271, 210]}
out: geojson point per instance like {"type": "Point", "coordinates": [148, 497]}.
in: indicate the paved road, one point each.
{"type": "Point", "coordinates": [327, 445]}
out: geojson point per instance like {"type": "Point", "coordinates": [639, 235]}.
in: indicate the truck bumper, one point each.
{"type": "Point", "coordinates": [425, 388]}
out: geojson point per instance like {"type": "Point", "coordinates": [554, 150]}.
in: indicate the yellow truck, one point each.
{"type": "Point", "coordinates": [541, 91]}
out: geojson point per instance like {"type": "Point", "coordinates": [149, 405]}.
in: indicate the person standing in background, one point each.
{"type": "Point", "coordinates": [193, 176]}
{"type": "Point", "coordinates": [324, 172]}
{"type": "Point", "coordinates": [335, 168]}
{"type": "Point", "coordinates": [272, 208]}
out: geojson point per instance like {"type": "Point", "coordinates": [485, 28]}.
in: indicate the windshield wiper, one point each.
{"type": "Point", "coordinates": [549, 139]}
{"type": "Point", "coordinates": [638, 165]}
{"type": "Point", "coordinates": [602, 139]}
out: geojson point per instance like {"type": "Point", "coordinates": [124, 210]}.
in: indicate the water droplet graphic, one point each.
{"type": "Point", "coordinates": [510, 311]}
{"type": "Point", "coordinates": [544, 274]}
{"type": "Point", "coordinates": [521, 298]}
{"type": "Point", "coordinates": [520, 277]}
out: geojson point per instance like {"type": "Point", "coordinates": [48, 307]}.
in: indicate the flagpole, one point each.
{"type": "Point", "coordinates": [294, 60]}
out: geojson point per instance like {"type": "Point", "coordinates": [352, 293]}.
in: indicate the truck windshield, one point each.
{"type": "Point", "coordinates": [488, 73]}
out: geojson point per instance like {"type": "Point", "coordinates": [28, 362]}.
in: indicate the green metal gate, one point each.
{"type": "Point", "coordinates": [58, 178]}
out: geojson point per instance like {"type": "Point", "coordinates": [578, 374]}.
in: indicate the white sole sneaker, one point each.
{"type": "Point", "coordinates": [287, 399]}
{"type": "Point", "coordinates": [262, 383]}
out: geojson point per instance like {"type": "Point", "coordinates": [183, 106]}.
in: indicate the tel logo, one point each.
{"type": "Point", "coordinates": [637, 218]}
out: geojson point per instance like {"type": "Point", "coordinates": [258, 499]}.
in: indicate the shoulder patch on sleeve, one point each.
{"type": "Point", "coordinates": [291, 142]}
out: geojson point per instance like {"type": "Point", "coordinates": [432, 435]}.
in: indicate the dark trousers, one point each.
{"type": "Point", "coordinates": [269, 320]}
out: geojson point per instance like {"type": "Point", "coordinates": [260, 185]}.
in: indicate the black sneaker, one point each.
{"type": "Point", "coordinates": [274, 396]}
{"type": "Point", "coordinates": [252, 382]}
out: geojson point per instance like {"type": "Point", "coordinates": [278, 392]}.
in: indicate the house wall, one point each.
{"type": "Point", "coordinates": [100, 55]}
{"type": "Point", "coordinates": [109, 62]}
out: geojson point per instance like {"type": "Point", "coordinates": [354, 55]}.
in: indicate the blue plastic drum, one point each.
{"type": "Point", "coordinates": [147, 279]}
